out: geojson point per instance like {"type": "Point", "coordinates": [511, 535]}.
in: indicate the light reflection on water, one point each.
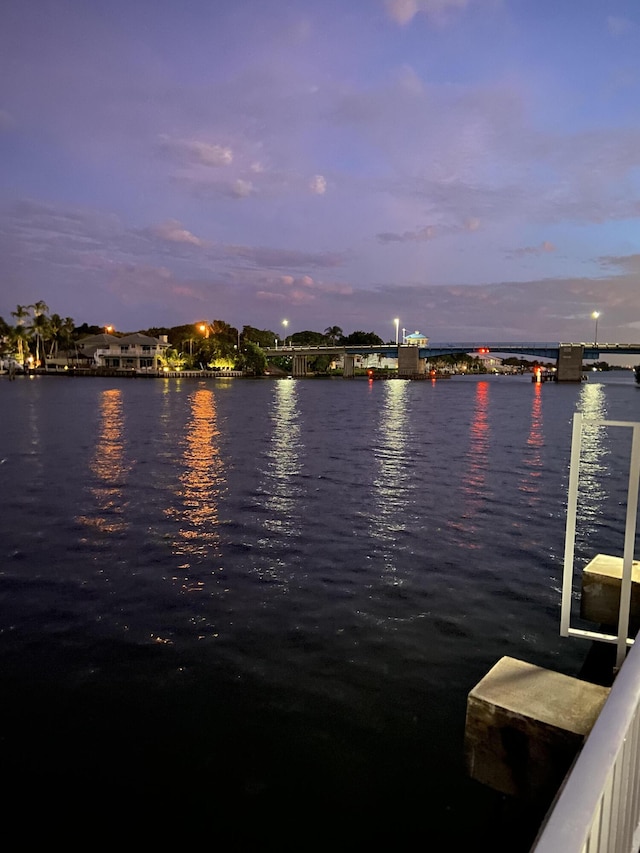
{"type": "Point", "coordinates": [375, 619]}
{"type": "Point", "coordinates": [530, 483]}
{"type": "Point", "coordinates": [109, 469]}
{"type": "Point", "coordinates": [280, 487]}
{"type": "Point", "coordinates": [474, 487]}
{"type": "Point", "coordinates": [593, 457]}
{"type": "Point", "coordinates": [202, 481]}
{"type": "Point", "coordinates": [392, 483]}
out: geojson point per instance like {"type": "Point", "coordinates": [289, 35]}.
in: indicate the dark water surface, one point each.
{"type": "Point", "coordinates": [254, 608]}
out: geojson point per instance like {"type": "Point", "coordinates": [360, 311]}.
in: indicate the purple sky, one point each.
{"type": "Point", "coordinates": [471, 167]}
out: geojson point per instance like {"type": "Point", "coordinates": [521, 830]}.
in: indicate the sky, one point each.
{"type": "Point", "coordinates": [469, 167]}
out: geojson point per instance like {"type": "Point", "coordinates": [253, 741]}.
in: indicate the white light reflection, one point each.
{"type": "Point", "coordinates": [392, 484]}
{"type": "Point", "coordinates": [202, 483]}
{"type": "Point", "coordinates": [591, 492]}
{"type": "Point", "coordinates": [109, 468]}
{"type": "Point", "coordinates": [281, 488]}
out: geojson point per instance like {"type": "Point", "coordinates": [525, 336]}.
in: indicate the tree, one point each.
{"type": "Point", "coordinates": [263, 337]}
{"type": "Point", "coordinates": [85, 330]}
{"type": "Point", "coordinates": [311, 339]}
{"type": "Point", "coordinates": [362, 339]}
{"type": "Point", "coordinates": [253, 358]}
{"type": "Point", "coordinates": [40, 326]}
{"type": "Point", "coordinates": [334, 333]}
{"type": "Point", "coordinates": [20, 336]}
{"type": "Point", "coordinates": [5, 337]}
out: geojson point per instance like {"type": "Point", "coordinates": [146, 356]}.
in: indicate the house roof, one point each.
{"type": "Point", "coordinates": [138, 338]}
{"type": "Point", "coordinates": [97, 340]}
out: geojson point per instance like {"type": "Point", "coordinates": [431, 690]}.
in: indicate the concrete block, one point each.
{"type": "Point", "coordinates": [600, 594]}
{"type": "Point", "coordinates": [525, 725]}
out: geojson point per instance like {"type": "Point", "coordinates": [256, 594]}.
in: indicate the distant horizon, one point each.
{"type": "Point", "coordinates": [471, 167]}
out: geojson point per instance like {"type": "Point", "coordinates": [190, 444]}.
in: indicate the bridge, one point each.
{"type": "Point", "coordinates": [412, 360]}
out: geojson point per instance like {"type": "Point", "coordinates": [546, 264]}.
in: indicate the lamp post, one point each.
{"type": "Point", "coordinates": [285, 323]}
{"type": "Point", "coordinates": [595, 316]}
{"type": "Point", "coordinates": [397, 322]}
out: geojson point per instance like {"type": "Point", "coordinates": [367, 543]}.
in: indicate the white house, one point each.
{"type": "Point", "coordinates": [415, 339]}
{"type": "Point", "coordinates": [138, 352]}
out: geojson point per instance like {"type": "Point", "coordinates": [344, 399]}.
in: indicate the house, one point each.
{"type": "Point", "coordinates": [67, 360]}
{"type": "Point", "coordinates": [138, 352]}
{"type": "Point", "coordinates": [416, 339]}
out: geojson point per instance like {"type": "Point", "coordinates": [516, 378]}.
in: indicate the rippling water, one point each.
{"type": "Point", "coordinates": [260, 605]}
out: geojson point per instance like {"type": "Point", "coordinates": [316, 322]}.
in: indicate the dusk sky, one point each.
{"type": "Point", "coordinates": [471, 167]}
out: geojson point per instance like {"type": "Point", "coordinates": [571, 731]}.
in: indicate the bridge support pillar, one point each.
{"type": "Point", "coordinates": [569, 363]}
{"type": "Point", "coordinates": [524, 727]}
{"type": "Point", "coordinates": [349, 368]}
{"type": "Point", "coordinates": [409, 362]}
{"type": "Point", "coordinates": [300, 364]}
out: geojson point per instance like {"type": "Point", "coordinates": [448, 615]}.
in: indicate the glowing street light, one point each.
{"type": "Point", "coordinates": [108, 329]}
{"type": "Point", "coordinates": [285, 323]}
{"type": "Point", "coordinates": [595, 316]}
{"type": "Point", "coordinates": [397, 322]}
{"type": "Point", "coordinates": [204, 329]}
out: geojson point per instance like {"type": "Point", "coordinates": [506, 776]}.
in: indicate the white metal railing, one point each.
{"type": "Point", "coordinates": [598, 807]}
{"type": "Point", "coordinates": [621, 639]}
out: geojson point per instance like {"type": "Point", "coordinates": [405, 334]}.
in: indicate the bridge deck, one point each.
{"type": "Point", "coordinates": [541, 350]}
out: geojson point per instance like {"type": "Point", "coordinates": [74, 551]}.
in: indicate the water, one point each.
{"type": "Point", "coordinates": [255, 608]}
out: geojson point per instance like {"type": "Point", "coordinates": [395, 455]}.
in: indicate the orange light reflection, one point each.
{"type": "Point", "coordinates": [109, 468]}
{"type": "Point", "coordinates": [202, 481]}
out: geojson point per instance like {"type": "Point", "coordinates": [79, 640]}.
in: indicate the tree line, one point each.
{"type": "Point", "coordinates": [36, 334]}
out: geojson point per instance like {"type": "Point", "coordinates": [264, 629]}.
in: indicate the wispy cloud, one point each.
{"type": "Point", "coordinates": [544, 248]}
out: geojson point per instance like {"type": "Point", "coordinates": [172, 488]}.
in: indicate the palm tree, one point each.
{"type": "Point", "coordinates": [21, 313]}
{"type": "Point", "coordinates": [40, 326]}
{"type": "Point", "coordinates": [55, 331]}
{"type": "Point", "coordinates": [333, 333]}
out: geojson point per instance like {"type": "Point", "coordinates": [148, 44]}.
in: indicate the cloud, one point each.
{"type": "Point", "coordinates": [438, 12]}
{"type": "Point", "coordinates": [261, 256]}
{"type": "Point", "coordinates": [241, 188]}
{"type": "Point", "coordinates": [173, 231]}
{"type": "Point", "coordinates": [195, 151]}
{"type": "Point", "coordinates": [544, 247]}
{"type": "Point", "coordinates": [318, 185]}
{"type": "Point", "coordinates": [627, 263]}
{"type": "Point", "coordinates": [430, 232]}
{"type": "Point", "coordinates": [420, 236]}
{"type": "Point", "coordinates": [618, 26]}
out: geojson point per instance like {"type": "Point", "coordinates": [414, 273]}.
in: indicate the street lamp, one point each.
{"type": "Point", "coordinates": [397, 322]}
{"type": "Point", "coordinates": [285, 323]}
{"type": "Point", "coordinates": [595, 316]}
